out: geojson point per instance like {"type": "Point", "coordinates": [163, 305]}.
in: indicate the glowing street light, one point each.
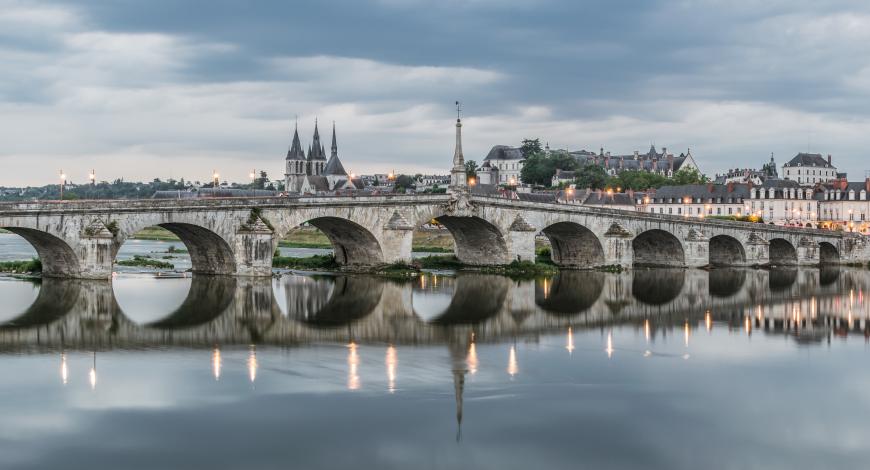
{"type": "Point", "coordinates": [93, 177]}
{"type": "Point", "coordinates": [62, 182]}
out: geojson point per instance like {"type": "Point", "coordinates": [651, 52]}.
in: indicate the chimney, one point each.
{"type": "Point", "coordinates": [710, 187]}
{"type": "Point", "coordinates": [731, 187]}
{"type": "Point", "coordinates": [636, 154]}
{"type": "Point", "coordinates": [867, 184]}
{"type": "Point", "coordinates": [655, 165]}
{"type": "Point", "coordinates": [670, 162]}
{"type": "Point", "coordinates": [621, 163]}
{"type": "Point", "coordinates": [606, 162]}
{"type": "Point", "coordinates": [829, 159]}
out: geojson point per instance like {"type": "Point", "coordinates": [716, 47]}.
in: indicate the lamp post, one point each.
{"type": "Point", "coordinates": [93, 177]}
{"type": "Point", "coordinates": [215, 177]}
{"type": "Point", "coordinates": [62, 182]}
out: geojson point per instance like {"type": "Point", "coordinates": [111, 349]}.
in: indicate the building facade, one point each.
{"type": "Point", "coordinates": [845, 206]}
{"type": "Point", "coordinates": [809, 169]}
{"type": "Point", "coordinates": [313, 173]}
{"type": "Point", "coordinates": [695, 200]}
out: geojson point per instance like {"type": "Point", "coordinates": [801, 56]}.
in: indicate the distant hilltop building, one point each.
{"type": "Point", "coordinates": [808, 169]}
{"type": "Point", "coordinates": [749, 175]}
{"type": "Point", "coordinates": [664, 163]}
{"type": "Point", "coordinates": [312, 173]}
{"type": "Point", "coordinates": [503, 164]}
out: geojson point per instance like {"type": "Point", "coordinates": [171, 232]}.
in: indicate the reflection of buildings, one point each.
{"type": "Point", "coordinates": [79, 315]}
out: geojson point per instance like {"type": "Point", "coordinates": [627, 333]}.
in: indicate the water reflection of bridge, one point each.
{"type": "Point", "coordinates": [86, 315]}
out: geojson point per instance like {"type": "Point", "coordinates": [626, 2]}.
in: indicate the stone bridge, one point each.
{"type": "Point", "coordinates": [224, 310]}
{"type": "Point", "coordinates": [80, 239]}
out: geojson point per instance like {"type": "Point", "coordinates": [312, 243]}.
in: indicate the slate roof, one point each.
{"type": "Point", "coordinates": [296, 152]}
{"type": "Point", "coordinates": [503, 152]}
{"type": "Point", "coordinates": [603, 199]}
{"type": "Point", "coordinates": [334, 167]}
{"type": "Point", "coordinates": [537, 197]}
{"type": "Point", "coordinates": [702, 191]}
{"type": "Point", "coordinates": [809, 159]}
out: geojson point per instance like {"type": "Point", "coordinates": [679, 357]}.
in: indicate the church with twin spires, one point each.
{"type": "Point", "coordinates": [313, 173]}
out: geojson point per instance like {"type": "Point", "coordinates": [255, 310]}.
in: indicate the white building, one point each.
{"type": "Point", "coordinates": [808, 169]}
{"type": "Point", "coordinates": [784, 202]}
{"type": "Point", "coordinates": [508, 162]}
{"type": "Point", "coordinates": [696, 200]}
{"type": "Point", "coordinates": [844, 205]}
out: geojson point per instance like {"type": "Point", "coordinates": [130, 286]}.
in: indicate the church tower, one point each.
{"type": "Point", "coordinates": [458, 178]}
{"type": "Point", "coordinates": [295, 162]}
{"type": "Point", "coordinates": [316, 154]}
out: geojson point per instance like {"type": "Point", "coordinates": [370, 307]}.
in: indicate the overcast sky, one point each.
{"type": "Point", "coordinates": [169, 88]}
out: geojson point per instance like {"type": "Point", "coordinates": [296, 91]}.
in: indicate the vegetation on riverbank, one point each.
{"type": "Point", "coordinates": [32, 266]}
{"type": "Point", "coordinates": [316, 262]}
{"type": "Point", "coordinates": [146, 262]}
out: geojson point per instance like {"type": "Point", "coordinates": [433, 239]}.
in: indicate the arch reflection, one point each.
{"type": "Point", "coordinates": [781, 279]}
{"type": "Point", "coordinates": [476, 297]}
{"type": "Point", "coordinates": [56, 298]}
{"type": "Point", "coordinates": [657, 286]}
{"type": "Point", "coordinates": [329, 301]}
{"type": "Point", "coordinates": [726, 282]}
{"type": "Point", "coordinates": [569, 292]}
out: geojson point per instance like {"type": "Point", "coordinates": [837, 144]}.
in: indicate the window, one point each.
{"type": "Point", "coordinates": [718, 211]}
{"type": "Point", "coordinates": [679, 210]}
{"type": "Point", "coordinates": [670, 210]}
{"type": "Point", "coordinates": [729, 211]}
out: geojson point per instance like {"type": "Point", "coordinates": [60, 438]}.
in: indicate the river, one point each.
{"type": "Point", "coordinates": [653, 369]}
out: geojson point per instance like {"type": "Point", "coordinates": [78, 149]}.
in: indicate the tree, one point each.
{"type": "Point", "coordinates": [471, 169]}
{"type": "Point", "coordinates": [538, 169]}
{"type": "Point", "coordinates": [531, 147]}
{"type": "Point", "coordinates": [592, 177]}
{"type": "Point", "coordinates": [688, 176]}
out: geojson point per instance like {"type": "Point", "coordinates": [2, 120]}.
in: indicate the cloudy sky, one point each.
{"type": "Point", "coordinates": [165, 88]}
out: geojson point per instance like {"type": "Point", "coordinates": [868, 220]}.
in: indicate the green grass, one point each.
{"type": "Point", "coordinates": [21, 267]}
{"type": "Point", "coordinates": [145, 262]}
{"type": "Point", "coordinates": [309, 262]}
{"type": "Point", "coordinates": [155, 233]}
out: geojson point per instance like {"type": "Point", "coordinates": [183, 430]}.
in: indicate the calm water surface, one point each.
{"type": "Point", "coordinates": [651, 369]}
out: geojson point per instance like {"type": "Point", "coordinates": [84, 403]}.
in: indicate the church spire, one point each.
{"type": "Point", "coordinates": [334, 142]}
{"type": "Point", "coordinates": [296, 152]}
{"type": "Point", "coordinates": [458, 178]}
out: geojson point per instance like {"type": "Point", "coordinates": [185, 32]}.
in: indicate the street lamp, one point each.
{"type": "Point", "coordinates": [62, 182]}
{"type": "Point", "coordinates": [215, 177]}
{"type": "Point", "coordinates": [253, 174]}
{"type": "Point", "coordinates": [93, 177]}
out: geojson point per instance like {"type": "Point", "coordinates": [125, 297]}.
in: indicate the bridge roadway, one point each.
{"type": "Point", "coordinates": [80, 239]}
{"type": "Point", "coordinates": [226, 311]}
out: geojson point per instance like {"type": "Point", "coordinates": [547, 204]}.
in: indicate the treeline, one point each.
{"type": "Point", "coordinates": [120, 189]}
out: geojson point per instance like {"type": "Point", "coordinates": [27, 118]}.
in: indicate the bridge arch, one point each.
{"type": "Point", "coordinates": [352, 243]}
{"type": "Point", "coordinates": [828, 253]}
{"type": "Point", "coordinates": [478, 242]}
{"type": "Point", "coordinates": [782, 252]}
{"type": "Point", "coordinates": [58, 258]}
{"type": "Point", "coordinates": [210, 253]}
{"type": "Point", "coordinates": [658, 247]}
{"type": "Point", "coordinates": [726, 250]}
{"type": "Point", "coordinates": [573, 245]}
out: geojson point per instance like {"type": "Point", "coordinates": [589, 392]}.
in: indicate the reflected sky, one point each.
{"type": "Point", "coordinates": [731, 370]}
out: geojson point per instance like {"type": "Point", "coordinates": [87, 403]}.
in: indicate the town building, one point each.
{"type": "Point", "coordinates": [312, 173]}
{"type": "Point", "coordinates": [505, 163]}
{"type": "Point", "coordinates": [845, 205]}
{"type": "Point", "coordinates": [487, 173]}
{"type": "Point", "coordinates": [784, 202]}
{"type": "Point", "coordinates": [749, 175]}
{"type": "Point", "coordinates": [808, 169]}
{"type": "Point", "coordinates": [663, 163]}
{"type": "Point", "coordinates": [695, 200]}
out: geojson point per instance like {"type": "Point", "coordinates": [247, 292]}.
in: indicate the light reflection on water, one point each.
{"type": "Point", "coordinates": [581, 370]}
